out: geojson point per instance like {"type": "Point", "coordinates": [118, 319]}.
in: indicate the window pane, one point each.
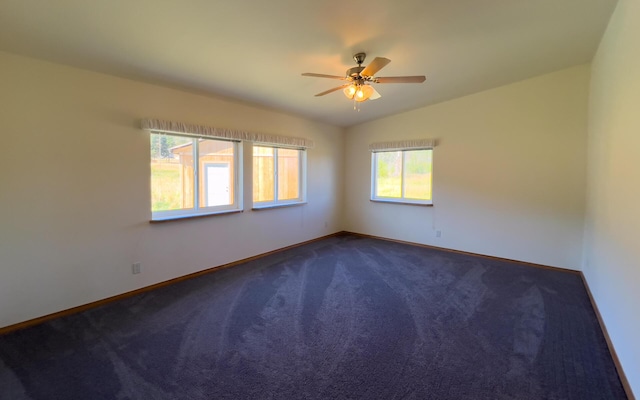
{"type": "Point", "coordinates": [263, 174]}
{"type": "Point", "coordinates": [171, 173]}
{"type": "Point", "coordinates": [417, 174]}
{"type": "Point", "coordinates": [216, 172]}
{"type": "Point", "coordinates": [288, 174]}
{"type": "Point", "coordinates": [388, 174]}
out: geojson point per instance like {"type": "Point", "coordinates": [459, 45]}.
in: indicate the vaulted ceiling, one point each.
{"type": "Point", "coordinates": [255, 51]}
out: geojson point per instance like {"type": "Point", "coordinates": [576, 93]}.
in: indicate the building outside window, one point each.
{"type": "Point", "coordinates": [193, 176]}
{"type": "Point", "coordinates": [278, 176]}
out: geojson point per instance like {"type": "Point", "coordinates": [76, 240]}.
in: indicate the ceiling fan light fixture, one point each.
{"type": "Point", "coordinates": [364, 93]}
{"type": "Point", "coordinates": [350, 91]}
{"type": "Point", "coordinates": [358, 92]}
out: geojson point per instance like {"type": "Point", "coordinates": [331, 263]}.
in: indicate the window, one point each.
{"type": "Point", "coordinates": [278, 176]}
{"type": "Point", "coordinates": [402, 176]}
{"type": "Point", "coordinates": [193, 176]}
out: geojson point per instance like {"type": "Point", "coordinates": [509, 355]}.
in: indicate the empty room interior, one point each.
{"type": "Point", "coordinates": [511, 199]}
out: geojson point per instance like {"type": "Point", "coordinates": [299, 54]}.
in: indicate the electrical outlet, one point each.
{"type": "Point", "coordinates": [438, 234]}
{"type": "Point", "coordinates": [135, 268]}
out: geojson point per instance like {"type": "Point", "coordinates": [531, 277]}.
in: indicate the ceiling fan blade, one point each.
{"type": "Point", "coordinates": [400, 79]}
{"type": "Point", "coordinates": [323, 76]}
{"type": "Point", "coordinates": [374, 66]}
{"type": "Point", "coordinates": [332, 90]}
{"type": "Point", "coordinates": [374, 94]}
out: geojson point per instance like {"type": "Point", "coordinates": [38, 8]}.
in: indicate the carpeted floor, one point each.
{"type": "Point", "coordinates": [342, 318]}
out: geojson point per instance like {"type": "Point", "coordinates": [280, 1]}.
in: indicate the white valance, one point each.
{"type": "Point", "coordinates": [413, 144]}
{"type": "Point", "coordinates": [160, 126]}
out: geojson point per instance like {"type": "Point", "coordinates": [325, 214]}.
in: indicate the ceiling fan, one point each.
{"type": "Point", "coordinates": [359, 79]}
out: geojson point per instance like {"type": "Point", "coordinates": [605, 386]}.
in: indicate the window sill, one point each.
{"type": "Point", "coordinates": [193, 216]}
{"type": "Point", "coordinates": [270, 206]}
{"type": "Point", "coordinates": [408, 203]}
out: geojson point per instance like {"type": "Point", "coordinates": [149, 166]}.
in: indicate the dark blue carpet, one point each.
{"type": "Point", "coordinates": [342, 318]}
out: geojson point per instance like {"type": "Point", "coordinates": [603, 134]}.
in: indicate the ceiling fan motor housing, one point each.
{"type": "Point", "coordinates": [354, 72]}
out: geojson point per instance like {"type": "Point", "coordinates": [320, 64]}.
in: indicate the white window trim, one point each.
{"type": "Point", "coordinates": [401, 200]}
{"type": "Point", "coordinates": [197, 211]}
{"type": "Point", "coordinates": [275, 203]}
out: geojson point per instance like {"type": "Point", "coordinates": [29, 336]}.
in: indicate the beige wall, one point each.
{"type": "Point", "coordinates": [509, 172]}
{"type": "Point", "coordinates": [612, 228]}
{"type": "Point", "coordinates": [74, 188]}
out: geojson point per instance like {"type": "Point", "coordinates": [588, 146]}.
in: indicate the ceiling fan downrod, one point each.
{"type": "Point", "coordinates": [354, 72]}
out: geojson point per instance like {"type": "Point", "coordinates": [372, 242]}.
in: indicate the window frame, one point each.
{"type": "Point", "coordinates": [402, 199]}
{"type": "Point", "coordinates": [198, 210]}
{"type": "Point", "coordinates": [302, 178]}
